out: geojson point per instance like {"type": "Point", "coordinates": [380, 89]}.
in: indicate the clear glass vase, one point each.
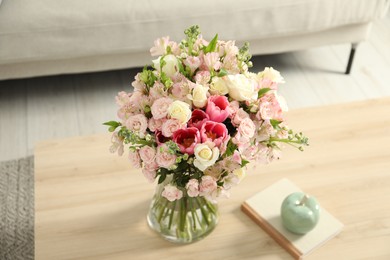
{"type": "Point", "coordinates": [182, 221]}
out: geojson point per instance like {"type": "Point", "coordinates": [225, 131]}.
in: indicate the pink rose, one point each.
{"type": "Point", "coordinates": [239, 116]}
{"type": "Point", "coordinates": [170, 126]}
{"type": "Point", "coordinates": [135, 159]}
{"type": "Point", "coordinates": [147, 154]}
{"type": "Point", "coordinates": [192, 187]}
{"type": "Point", "coordinates": [247, 128]}
{"type": "Point", "coordinates": [241, 142]}
{"type": "Point", "coordinates": [164, 158]}
{"type": "Point", "coordinates": [149, 175]}
{"type": "Point", "coordinates": [172, 193]}
{"type": "Point", "coordinates": [198, 117]}
{"type": "Point", "coordinates": [137, 123]}
{"type": "Point", "coordinates": [155, 125]}
{"type": "Point", "coordinates": [160, 107]}
{"type": "Point", "coordinates": [214, 132]}
{"type": "Point", "coordinates": [186, 139]}
{"type": "Point", "coordinates": [151, 166]}
{"type": "Point", "coordinates": [217, 108]}
{"type": "Point", "coordinates": [207, 186]}
{"type": "Point", "coordinates": [233, 107]}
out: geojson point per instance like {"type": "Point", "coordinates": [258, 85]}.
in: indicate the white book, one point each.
{"type": "Point", "coordinates": [264, 209]}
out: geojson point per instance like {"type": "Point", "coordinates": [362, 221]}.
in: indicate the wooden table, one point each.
{"type": "Point", "coordinates": [91, 204]}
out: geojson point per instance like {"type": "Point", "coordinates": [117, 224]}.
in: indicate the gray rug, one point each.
{"type": "Point", "coordinates": [17, 209]}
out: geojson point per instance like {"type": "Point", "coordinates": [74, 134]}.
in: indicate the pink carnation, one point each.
{"type": "Point", "coordinates": [269, 108]}
{"type": "Point", "coordinates": [160, 46]}
{"type": "Point", "coordinates": [192, 62]}
{"type": "Point", "coordinates": [211, 60]}
{"type": "Point", "coordinates": [160, 107]}
{"type": "Point", "coordinates": [164, 158]}
{"type": "Point", "coordinates": [172, 193]}
{"type": "Point", "coordinates": [214, 132]}
{"type": "Point", "coordinates": [202, 77]}
{"type": "Point", "coordinates": [217, 108]}
{"type": "Point", "coordinates": [122, 98]}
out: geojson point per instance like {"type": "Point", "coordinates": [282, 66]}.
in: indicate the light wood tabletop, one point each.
{"type": "Point", "coordinates": [90, 204]}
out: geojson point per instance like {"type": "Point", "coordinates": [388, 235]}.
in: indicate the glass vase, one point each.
{"type": "Point", "coordinates": [186, 220]}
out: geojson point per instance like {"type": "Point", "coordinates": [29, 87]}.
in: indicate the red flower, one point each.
{"type": "Point", "coordinates": [186, 139]}
{"type": "Point", "coordinates": [197, 119]}
{"type": "Point", "coordinates": [214, 132]}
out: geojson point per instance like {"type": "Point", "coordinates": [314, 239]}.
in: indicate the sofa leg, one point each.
{"type": "Point", "coordinates": [350, 59]}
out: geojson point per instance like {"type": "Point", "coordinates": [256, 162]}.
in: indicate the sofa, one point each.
{"type": "Point", "coordinates": [48, 37]}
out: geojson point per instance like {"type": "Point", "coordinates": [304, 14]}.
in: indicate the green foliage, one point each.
{"type": "Point", "coordinates": [212, 45]}
{"type": "Point", "coordinates": [297, 140]}
{"type": "Point", "coordinates": [148, 77]}
{"type": "Point", "coordinates": [275, 124]}
{"type": "Point", "coordinates": [231, 147]}
{"type": "Point", "coordinates": [192, 34]}
{"type": "Point", "coordinates": [244, 55]}
{"type": "Point", "coordinates": [244, 162]}
{"type": "Point", "coordinates": [222, 73]}
{"type": "Point", "coordinates": [112, 125]}
{"type": "Point", "coordinates": [166, 80]}
{"type": "Point", "coordinates": [262, 92]}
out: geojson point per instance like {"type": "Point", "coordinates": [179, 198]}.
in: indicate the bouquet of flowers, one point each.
{"type": "Point", "coordinates": [198, 116]}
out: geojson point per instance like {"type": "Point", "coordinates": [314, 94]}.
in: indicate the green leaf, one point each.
{"type": "Point", "coordinates": [231, 147]}
{"type": "Point", "coordinates": [244, 162]}
{"type": "Point", "coordinates": [262, 92]}
{"type": "Point", "coordinates": [222, 73]}
{"type": "Point", "coordinates": [212, 45]}
{"type": "Point", "coordinates": [275, 123]}
{"type": "Point", "coordinates": [112, 123]}
{"type": "Point", "coordinates": [162, 178]}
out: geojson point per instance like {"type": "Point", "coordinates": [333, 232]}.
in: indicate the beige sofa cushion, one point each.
{"type": "Point", "coordinates": [45, 30]}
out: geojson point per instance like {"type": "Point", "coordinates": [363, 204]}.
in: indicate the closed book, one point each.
{"type": "Point", "coordinates": [264, 209]}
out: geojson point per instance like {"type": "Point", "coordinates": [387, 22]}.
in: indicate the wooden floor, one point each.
{"type": "Point", "coordinates": [60, 106]}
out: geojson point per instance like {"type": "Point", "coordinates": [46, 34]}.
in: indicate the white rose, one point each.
{"type": "Point", "coordinates": [271, 74]}
{"type": "Point", "coordinates": [205, 156]}
{"type": "Point", "coordinates": [218, 86]}
{"type": "Point", "coordinates": [180, 110]}
{"type": "Point", "coordinates": [171, 67]}
{"type": "Point", "coordinates": [241, 88]}
{"type": "Point", "coordinates": [239, 173]}
{"type": "Point", "coordinates": [199, 96]}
